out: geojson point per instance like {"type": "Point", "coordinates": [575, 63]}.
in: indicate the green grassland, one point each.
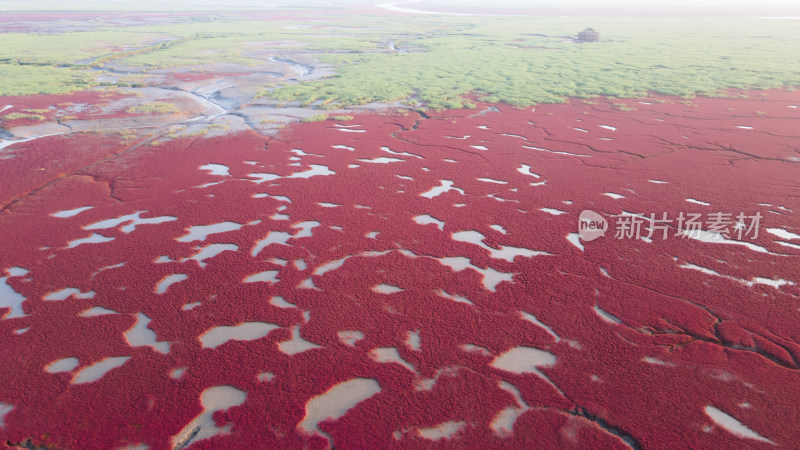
{"type": "Point", "coordinates": [28, 80]}
{"type": "Point", "coordinates": [502, 61]}
{"type": "Point", "coordinates": [153, 108]}
{"type": "Point", "coordinates": [238, 42]}
{"type": "Point", "coordinates": [64, 48]}
{"type": "Point", "coordinates": [15, 116]}
{"type": "Point", "coordinates": [518, 60]}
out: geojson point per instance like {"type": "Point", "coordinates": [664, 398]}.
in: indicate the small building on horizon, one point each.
{"type": "Point", "coordinates": [588, 35]}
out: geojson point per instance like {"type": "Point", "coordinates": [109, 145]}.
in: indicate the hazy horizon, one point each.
{"type": "Point", "coordinates": [431, 5]}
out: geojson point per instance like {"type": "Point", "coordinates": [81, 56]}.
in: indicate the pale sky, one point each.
{"type": "Point", "coordinates": [421, 4]}
{"type": "Point", "coordinates": [620, 3]}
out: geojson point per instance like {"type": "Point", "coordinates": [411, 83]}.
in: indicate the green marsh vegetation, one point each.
{"type": "Point", "coordinates": [153, 108]}
{"type": "Point", "coordinates": [29, 116]}
{"type": "Point", "coordinates": [28, 80]}
{"type": "Point", "coordinates": [315, 118]}
{"type": "Point", "coordinates": [504, 60]}
{"type": "Point", "coordinates": [518, 60]}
